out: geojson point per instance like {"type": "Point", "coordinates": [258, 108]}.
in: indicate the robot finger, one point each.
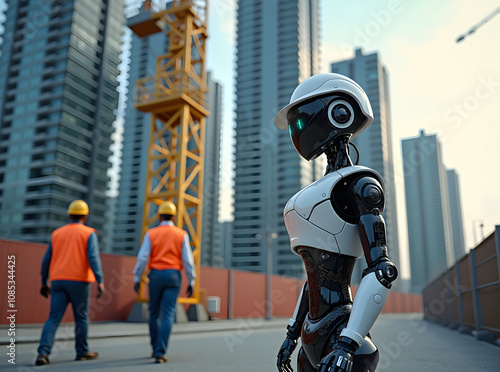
{"type": "Point", "coordinates": [281, 364]}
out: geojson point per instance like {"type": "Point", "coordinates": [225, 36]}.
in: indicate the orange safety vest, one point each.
{"type": "Point", "coordinates": [69, 253]}
{"type": "Point", "coordinates": [166, 247]}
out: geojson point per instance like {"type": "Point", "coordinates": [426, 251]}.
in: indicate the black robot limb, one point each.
{"type": "Point", "coordinates": [368, 201]}
{"type": "Point", "coordinates": [294, 329]}
{"type": "Point", "coordinates": [366, 196]}
{"type": "Point", "coordinates": [339, 360]}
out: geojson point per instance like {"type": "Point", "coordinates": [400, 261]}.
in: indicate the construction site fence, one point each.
{"type": "Point", "coordinates": [467, 295]}
{"type": "Point", "coordinates": [242, 294]}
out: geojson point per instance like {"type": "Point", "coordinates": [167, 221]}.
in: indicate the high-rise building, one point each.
{"type": "Point", "coordinates": [457, 228]}
{"type": "Point", "coordinates": [277, 48]}
{"type": "Point", "coordinates": [375, 143]}
{"type": "Point", "coordinates": [210, 234]}
{"type": "Point", "coordinates": [132, 184]}
{"type": "Point", "coordinates": [427, 208]}
{"type": "Point", "coordinates": [58, 79]}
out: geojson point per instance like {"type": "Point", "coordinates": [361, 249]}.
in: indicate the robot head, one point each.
{"type": "Point", "coordinates": [322, 109]}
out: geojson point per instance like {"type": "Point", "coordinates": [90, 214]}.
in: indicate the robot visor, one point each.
{"type": "Point", "coordinates": [307, 129]}
{"type": "Point", "coordinates": [311, 127]}
{"type": "Point", "coordinates": [314, 124]}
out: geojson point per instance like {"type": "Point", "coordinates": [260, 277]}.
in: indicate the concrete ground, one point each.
{"type": "Point", "coordinates": [406, 343]}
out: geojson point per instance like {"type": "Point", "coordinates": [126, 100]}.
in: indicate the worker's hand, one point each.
{"type": "Point", "coordinates": [137, 286]}
{"type": "Point", "coordinates": [100, 290]}
{"type": "Point", "coordinates": [190, 291]}
{"type": "Point", "coordinates": [284, 362]}
{"type": "Point", "coordinates": [45, 291]}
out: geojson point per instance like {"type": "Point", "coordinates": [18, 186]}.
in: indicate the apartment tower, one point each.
{"type": "Point", "coordinates": [58, 79]}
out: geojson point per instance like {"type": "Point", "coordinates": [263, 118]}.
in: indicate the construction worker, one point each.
{"type": "Point", "coordinates": [167, 249]}
{"type": "Point", "coordinates": [71, 263]}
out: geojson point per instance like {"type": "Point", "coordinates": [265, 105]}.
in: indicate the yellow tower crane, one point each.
{"type": "Point", "coordinates": [176, 99]}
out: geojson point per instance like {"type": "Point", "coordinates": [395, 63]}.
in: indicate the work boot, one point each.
{"type": "Point", "coordinates": [88, 356]}
{"type": "Point", "coordinates": [42, 360]}
{"type": "Point", "coordinates": [161, 359]}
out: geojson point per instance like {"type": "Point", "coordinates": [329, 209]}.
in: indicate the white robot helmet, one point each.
{"type": "Point", "coordinates": [322, 108]}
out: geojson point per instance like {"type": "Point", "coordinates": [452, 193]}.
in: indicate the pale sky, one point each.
{"type": "Point", "coordinates": [435, 84]}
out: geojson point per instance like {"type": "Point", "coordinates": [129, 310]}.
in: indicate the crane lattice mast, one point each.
{"type": "Point", "coordinates": [176, 99]}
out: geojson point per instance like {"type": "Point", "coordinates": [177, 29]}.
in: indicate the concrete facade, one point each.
{"type": "Point", "coordinates": [428, 212]}
{"type": "Point", "coordinates": [210, 236]}
{"type": "Point", "coordinates": [457, 227]}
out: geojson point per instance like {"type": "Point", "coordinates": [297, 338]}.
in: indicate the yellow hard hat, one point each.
{"type": "Point", "coordinates": [167, 208]}
{"type": "Point", "coordinates": [78, 207]}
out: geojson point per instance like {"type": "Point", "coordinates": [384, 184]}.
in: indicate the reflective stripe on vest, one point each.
{"type": "Point", "coordinates": [69, 253]}
{"type": "Point", "coordinates": [166, 247]}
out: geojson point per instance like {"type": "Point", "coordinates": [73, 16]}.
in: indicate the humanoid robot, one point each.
{"type": "Point", "coordinates": [331, 223]}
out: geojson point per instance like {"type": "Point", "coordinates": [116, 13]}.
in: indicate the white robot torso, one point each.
{"type": "Point", "coordinates": [311, 219]}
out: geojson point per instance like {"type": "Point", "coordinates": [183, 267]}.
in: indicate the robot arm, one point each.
{"type": "Point", "coordinates": [301, 310]}
{"type": "Point", "coordinates": [368, 200]}
{"type": "Point", "coordinates": [294, 330]}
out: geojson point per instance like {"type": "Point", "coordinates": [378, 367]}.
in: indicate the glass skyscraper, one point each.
{"type": "Point", "coordinates": [277, 48]}
{"type": "Point", "coordinates": [427, 209]}
{"type": "Point", "coordinates": [211, 253]}
{"type": "Point", "coordinates": [375, 143]}
{"type": "Point", "coordinates": [58, 79]}
{"type": "Point", "coordinates": [457, 228]}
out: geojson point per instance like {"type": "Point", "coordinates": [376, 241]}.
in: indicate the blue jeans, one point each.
{"type": "Point", "coordinates": [61, 293]}
{"type": "Point", "coordinates": [164, 286]}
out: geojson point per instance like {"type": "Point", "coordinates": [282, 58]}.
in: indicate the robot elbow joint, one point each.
{"type": "Point", "coordinates": [386, 272]}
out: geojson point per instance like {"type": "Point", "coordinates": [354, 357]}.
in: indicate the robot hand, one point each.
{"type": "Point", "coordinates": [339, 360]}
{"type": "Point", "coordinates": [285, 354]}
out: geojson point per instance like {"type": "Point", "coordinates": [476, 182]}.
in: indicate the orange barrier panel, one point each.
{"type": "Point", "coordinates": [216, 283]}
{"type": "Point", "coordinates": [119, 297]}
{"type": "Point", "coordinates": [388, 307]}
{"type": "Point", "coordinates": [284, 295]}
{"type": "Point", "coordinates": [30, 305]}
{"type": "Point", "coordinates": [115, 304]}
{"type": "Point", "coordinates": [249, 295]}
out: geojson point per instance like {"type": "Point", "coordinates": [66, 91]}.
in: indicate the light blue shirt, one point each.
{"type": "Point", "coordinates": [145, 252]}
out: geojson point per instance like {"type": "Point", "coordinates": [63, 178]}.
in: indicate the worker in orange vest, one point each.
{"type": "Point", "coordinates": [167, 249]}
{"type": "Point", "coordinates": [71, 263]}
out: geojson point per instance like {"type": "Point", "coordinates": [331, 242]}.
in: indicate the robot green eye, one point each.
{"type": "Point", "coordinates": [299, 124]}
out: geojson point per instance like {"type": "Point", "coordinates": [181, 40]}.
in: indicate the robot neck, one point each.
{"type": "Point", "coordinates": [338, 155]}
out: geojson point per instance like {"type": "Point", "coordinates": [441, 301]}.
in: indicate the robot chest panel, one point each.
{"type": "Point", "coordinates": [312, 221]}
